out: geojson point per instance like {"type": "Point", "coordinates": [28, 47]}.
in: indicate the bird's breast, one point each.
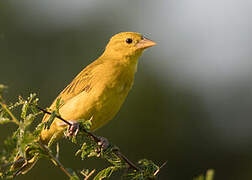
{"type": "Point", "coordinates": [104, 99]}
{"type": "Point", "coordinates": [110, 101]}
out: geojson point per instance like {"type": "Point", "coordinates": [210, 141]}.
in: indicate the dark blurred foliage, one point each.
{"type": "Point", "coordinates": [160, 120]}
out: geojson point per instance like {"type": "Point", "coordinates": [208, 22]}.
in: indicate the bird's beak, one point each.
{"type": "Point", "coordinates": [145, 43]}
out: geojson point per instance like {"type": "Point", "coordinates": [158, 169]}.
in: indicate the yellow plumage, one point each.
{"type": "Point", "coordinates": [100, 89]}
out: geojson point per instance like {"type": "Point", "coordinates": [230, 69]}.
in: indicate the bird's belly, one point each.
{"type": "Point", "coordinates": [101, 105]}
{"type": "Point", "coordinates": [109, 104]}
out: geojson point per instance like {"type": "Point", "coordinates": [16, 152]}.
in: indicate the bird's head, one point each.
{"type": "Point", "coordinates": [128, 44]}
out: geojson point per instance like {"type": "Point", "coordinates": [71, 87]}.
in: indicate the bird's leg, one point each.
{"type": "Point", "coordinates": [103, 142]}
{"type": "Point", "coordinates": [73, 129]}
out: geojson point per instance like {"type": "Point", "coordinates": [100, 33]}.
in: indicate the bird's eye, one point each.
{"type": "Point", "coordinates": [129, 40]}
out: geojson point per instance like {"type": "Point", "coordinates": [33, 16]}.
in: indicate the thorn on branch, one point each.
{"type": "Point", "coordinates": [54, 159]}
{"type": "Point", "coordinates": [158, 170]}
{"type": "Point", "coordinates": [89, 174]}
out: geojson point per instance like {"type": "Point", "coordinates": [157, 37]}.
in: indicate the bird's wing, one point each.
{"type": "Point", "coordinates": [82, 82]}
{"type": "Point", "coordinates": [79, 84]}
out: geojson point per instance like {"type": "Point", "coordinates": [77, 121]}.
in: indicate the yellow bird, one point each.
{"type": "Point", "coordinates": [100, 89]}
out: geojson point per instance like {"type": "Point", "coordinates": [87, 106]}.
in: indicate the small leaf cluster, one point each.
{"type": "Point", "coordinates": [90, 148]}
{"type": "Point", "coordinates": [208, 176]}
{"type": "Point", "coordinates": [21, 146]}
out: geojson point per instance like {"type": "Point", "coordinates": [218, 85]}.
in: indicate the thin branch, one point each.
{"type": "Point", "coordinates": [11, 163]}
{"type": "Point", "coordinates": [58, 163]}
{"type": "Point", "coordinates": [14, 119]}
{"type": "Point", "coordinates": [97, 140]}
{"type": "Point", "coordinates": [89, 175]}
{"type": "Point", "coordinates": [121, 156]}
{"type": "Point", "coordinates": [57, 116]}
{"type": "Point", "coordinates": [158, 170]}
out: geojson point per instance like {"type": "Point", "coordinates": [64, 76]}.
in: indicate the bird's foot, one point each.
{"type": "Point", "coordinates": [72, 129]}
{"type": "Point", "coordinates": [103, 145]}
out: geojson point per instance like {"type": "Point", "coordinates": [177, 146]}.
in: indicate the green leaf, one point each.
{"type": "Point", "coordinates": [106, 173]}
{"type": "Point", "coordinates": [16, 104]}
{"type": "Point", "coordinates": [111, 157]}
{"type": "Point", "coordinates": [31, 98]}
{"type": "Point", "coordinates": [148, 169]}
{"type": "Point", "coordinates": [38, 129]}
{"type": "Point", "coordinates": [9, 150]}
{"type": "Point", "coordinates": [57, 151]}
{"type": "Point", "coordinates": [24, 109]}
{"type": "Point", "coordinates": [25, 141]}
{"type": "Point", "coordinates": [53, 138]}
{"type": "Point", "coordinates": [209, 175]}
{"type": "Point", "coordinates": [59, 103]}
{"type": "Point", "coordinates": [4, 120]}
{"type": "Point", "coordinates": [28, 120]}
{"type": "Point", "coordinates": [20, 136]}
{"type": "Point", "coordinates": [85, 172]}
{"type": "Point", "coordinates": [4, 117]}
{"type": "Point", "coordinates": [88, 148]}
{"type": "Point", "coordinates": [73, 174]}
{"type": "Point", "coordinates": [75, 177]}
{"type": "Point", "coordinates": [2, 88]}
{"type": "Point", "coordinates": [50, 120]}
{"type": "Point", "coordinates": [30, 103]}
{"type": "Point", "coordinates": [33, 106]}
{"type": "Point", "coordinates": [86, 124]}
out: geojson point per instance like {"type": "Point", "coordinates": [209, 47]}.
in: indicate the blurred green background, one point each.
{"type": "Point", "coordinates": [192, 98]}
